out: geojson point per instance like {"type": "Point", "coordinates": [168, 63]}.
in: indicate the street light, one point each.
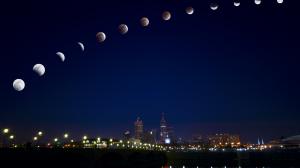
{"type": "Point", "coordinates": [35, 138]}
{"type": "Point", "coordinates": [11, 137]}
{"type": "Point", "coordinates": [84, 137]}
{"type": "Point", "coordinates": [40, 133]}
{"type": "Point", "coordinates": [66, 136]}
{"type": "Point", "coordinates": [5, 131]}
{"type": "Point", "coordinates": [55, 139]}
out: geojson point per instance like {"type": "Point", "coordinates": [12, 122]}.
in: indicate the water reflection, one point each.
{"type": "Point", "coordinates": [208, 167]}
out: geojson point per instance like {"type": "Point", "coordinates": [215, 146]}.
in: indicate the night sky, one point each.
{"type": "Point", "coordinates": [233, 70]}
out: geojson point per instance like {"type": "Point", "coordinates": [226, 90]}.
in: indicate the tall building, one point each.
{"type": "Point", "coordinates": [163, 129]}
{"type": "Point", "coordinates": [139, 129]}
{"type": "Point", "coordinates": [150, 136]}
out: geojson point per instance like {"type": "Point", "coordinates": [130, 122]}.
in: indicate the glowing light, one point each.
{"type": "Point", "coordinates": [11, 137]}
{"type": "Point", "coordinates": [84, 137]}
{"type": "Point", "coordinates": [35, 138]}
{"type": "Point", "coordinates": [66, 136]}
{"type": "Point", "coordinates": [55, 139]}
{"type": "Point", "coordinates": [5, 131]}
{"type": "Point", "coordinates": [110, 140]}
{"type": "Point", "coordinates": [40, 133]}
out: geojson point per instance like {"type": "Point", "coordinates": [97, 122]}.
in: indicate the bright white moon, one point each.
{"type": "Point", "coordinates": [19, 85]}
{"type": "Point", "coordinates": [39, 69]}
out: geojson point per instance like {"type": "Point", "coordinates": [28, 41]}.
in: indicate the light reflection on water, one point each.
{"type": "Point", "coordinates": [209, 167]}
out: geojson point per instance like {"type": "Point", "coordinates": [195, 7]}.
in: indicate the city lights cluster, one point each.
{"type": "Point", "coordinates": [103, 143]}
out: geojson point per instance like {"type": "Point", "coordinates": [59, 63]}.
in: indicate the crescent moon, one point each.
{"type": "Point", "coordinates": [236, 4]}
{"type": "Point", "coordinates": [214, 6]}
{"type": "Point", "coordinates": [61, 56]}
{"type": "Point", "coordinates": [81, 46]}
{"type": "Point", "coordinates": [39, 69]}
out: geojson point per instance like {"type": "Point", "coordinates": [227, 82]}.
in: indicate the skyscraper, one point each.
{"type": "Point", "coordinates": [163, 129]}
{"type": "Point", "coordinates": [139, 129]}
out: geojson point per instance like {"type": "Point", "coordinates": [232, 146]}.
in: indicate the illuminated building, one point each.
{"type": "Point", "coordinates": [224, 140]}
{"type": "Point", "coordinates": [150, 137]}
{"type": "Point", "coordinates": [139, 129]}
{"type": "Point", "coordinates": [163, 129]}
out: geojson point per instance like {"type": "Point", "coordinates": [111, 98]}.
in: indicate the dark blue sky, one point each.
{"type": "Point", "coordinates": [233, 70]}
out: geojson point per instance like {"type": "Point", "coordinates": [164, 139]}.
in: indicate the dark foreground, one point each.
{"type": "Point", "coordinates": [93, 158]}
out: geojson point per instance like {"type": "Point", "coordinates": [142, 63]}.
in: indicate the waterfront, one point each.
{"type": "Point", "coordinates": [95, 158]}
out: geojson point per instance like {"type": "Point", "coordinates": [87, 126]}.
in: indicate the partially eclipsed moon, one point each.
{"type": "Point", "coordinates": [166, 15]}
{"type": "Point", "coordinates": [61, 56]}
{"type": "Point", "coordinates": [101, 37]}
{"type": "Point", "coordinates": [280, 1]}
{"type": "Point", "coordinates": [123, 29]}
{"type": "Point", "coordinates": [257, 2]}
{"type": "Point", "coordinates": [189, 10]}
{"type": "Point", "coordinates": [19, 85]}
{"type": "Point", "coordinates": [236, 4]}
{"type": "Point", "coordinates": [39, 69]}
{"type": "Point", "coordinates": [145, 22]}
{"type": "Point", "coordinates": [214, 6]}
{"type": "Point", "coordinates": [81, 46]}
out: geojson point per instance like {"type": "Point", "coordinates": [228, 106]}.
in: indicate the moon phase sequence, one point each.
{"type": "Point", "coordinates": [40, 69]}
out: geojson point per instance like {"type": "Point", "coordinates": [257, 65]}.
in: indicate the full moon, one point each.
{"type": "Point", "coordinates": [257, 2]}
{"type": "Point", "coordinates": [101, 37]}
{"type": "Point", "coordinates": [189, 10]}
{"type": "Point", "coordinates": [123, 29]}
{"type": "Point", "coordinates": [166, 15]}
{"type": "Point", "coordinates": [145, 22]}
{"type": "Point", "coordinates": [280, 1]}
{"type": "Point", "coordinates": [214, 6]}
{"type": "Point", "coordinates": [19, 85]}
{"type": "Point", "coordinates": [236, 4]}
{"type": "Point", "coordinates": [39, 69]}
{"type": "Point", "coordinates": [61, 56]}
